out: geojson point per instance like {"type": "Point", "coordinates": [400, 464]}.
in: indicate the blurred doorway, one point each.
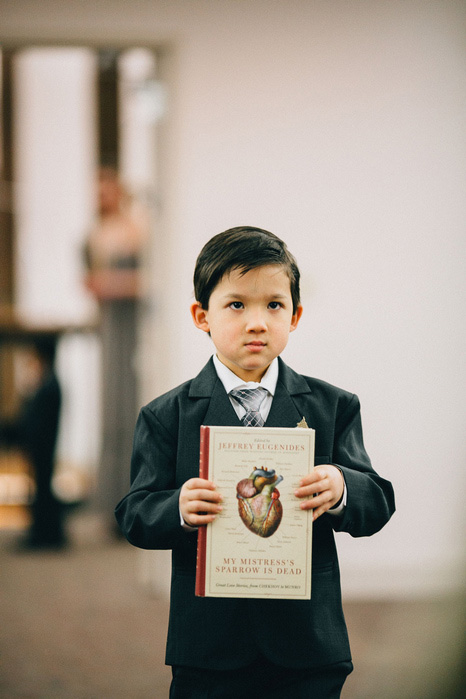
{"type": "Point", "coordinates": [65, 111]}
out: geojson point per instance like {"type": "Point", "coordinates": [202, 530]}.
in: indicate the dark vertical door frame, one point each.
{"type": "Point", "coordinates": [107, 101]}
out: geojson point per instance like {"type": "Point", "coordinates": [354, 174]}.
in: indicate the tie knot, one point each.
{"type": "Point", "coordinates": [251, 400]}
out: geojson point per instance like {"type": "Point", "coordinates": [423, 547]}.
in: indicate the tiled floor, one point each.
{"type": "Point", "coordinates": [80, 625]}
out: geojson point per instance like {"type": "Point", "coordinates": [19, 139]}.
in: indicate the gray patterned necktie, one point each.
{"type": "Point", "coordinates": [251, 400]}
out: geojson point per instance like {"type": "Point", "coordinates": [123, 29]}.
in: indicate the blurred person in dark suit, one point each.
{"type": "Point", "coordinates": [34, 431]}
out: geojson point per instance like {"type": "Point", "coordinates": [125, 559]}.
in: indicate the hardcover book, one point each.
{"type": "Point", "coordinates": [260, 545]}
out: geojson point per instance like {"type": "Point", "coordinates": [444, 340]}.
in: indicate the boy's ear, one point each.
{"type": "Point", "coordinates": [295, 318]}
{"type": "Point", "coordinates": [200, 317]}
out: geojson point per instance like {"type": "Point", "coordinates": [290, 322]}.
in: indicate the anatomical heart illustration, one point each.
{"type": "Point", "coordinates": [259, 502]}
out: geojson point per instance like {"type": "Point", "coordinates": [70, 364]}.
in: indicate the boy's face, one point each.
{"type": "Point", "coordinates": [250, 317]}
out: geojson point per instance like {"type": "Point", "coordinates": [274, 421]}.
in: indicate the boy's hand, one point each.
{"type": "Point", "coordinates": [327, 484]}
{"type": "Point", "coordinates": [199, 502]}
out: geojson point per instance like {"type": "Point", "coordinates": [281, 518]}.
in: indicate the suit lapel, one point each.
{"type": "Point", "coordinates": [284, 411]}
{"type": "Point", "coordinates": [219, 410]}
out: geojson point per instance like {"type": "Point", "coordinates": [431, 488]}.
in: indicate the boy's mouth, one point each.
{"type": "Point", "coordinates": [255, 345]}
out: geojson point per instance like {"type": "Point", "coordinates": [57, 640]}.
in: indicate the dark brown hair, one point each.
{"type": "Point", "coordinates": [243, 248]}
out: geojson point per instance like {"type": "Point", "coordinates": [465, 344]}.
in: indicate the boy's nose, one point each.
{"type": "Point", "coordinates": [256, 322]}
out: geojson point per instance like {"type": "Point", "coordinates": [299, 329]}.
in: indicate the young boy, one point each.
{"type": "Point", "coordinates": [247, 298]}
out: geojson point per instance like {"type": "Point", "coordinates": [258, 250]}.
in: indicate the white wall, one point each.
{"type": "Point", "coordinates": [54, 138]}
{"type": "Point", "coordinates": [340, 127]}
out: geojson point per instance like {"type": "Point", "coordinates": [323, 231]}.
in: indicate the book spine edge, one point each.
{"type": "Point", "coordinates": [202, 531]}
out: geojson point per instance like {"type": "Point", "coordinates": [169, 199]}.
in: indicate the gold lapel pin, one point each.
{"type": "Point", "coordinates": [303, 423]}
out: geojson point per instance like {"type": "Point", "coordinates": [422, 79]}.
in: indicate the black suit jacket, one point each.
{"type": "Point", "coordinates": [223, 633]}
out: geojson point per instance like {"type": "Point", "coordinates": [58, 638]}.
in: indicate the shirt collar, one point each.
{"type": "Point", "coordinates": [231, 381]}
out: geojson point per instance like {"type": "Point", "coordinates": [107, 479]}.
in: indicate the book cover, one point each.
{"type": "Point", "coordinates": [260, 545]}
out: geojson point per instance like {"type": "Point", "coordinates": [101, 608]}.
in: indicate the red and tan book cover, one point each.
{"type": "Point", "coordinates": [260, 545]}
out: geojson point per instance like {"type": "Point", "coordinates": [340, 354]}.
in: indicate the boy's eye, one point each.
{"type": "Point", "coordinates": [274, 305]}
{"type": "Point", "coordinates": [236, 305]}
